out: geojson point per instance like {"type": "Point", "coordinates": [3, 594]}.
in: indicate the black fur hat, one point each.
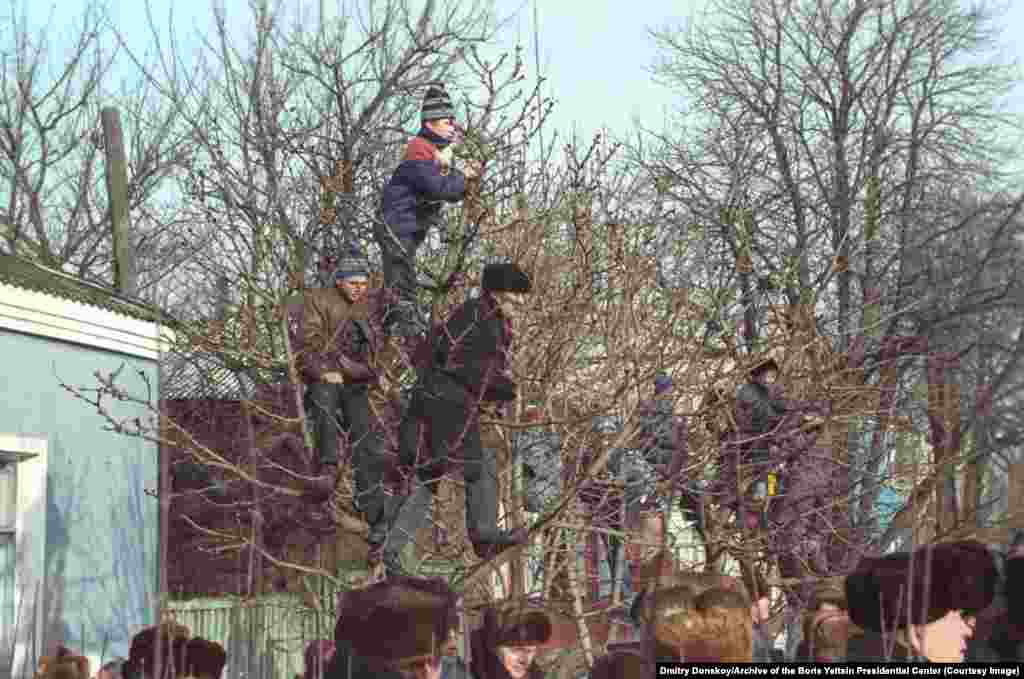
{"type": "Point", "coordinates": [506, 277]}
{"type": "Point", "coordinates": [961, 576]}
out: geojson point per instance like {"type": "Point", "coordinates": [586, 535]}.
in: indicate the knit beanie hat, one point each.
{"type": "Point", "coordinates": [351, 266]}
{"type": "Point", "coordinates": [904, 589]}
{"type": "Point", "coordinates": [662, 383]}
{"type": "Point", "coordinates": [437, 104]}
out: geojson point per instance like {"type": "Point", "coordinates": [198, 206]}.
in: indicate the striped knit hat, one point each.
{"type": "Point", "coordinates": [437, 104]}
{"type": "Point", "coordinates": [351, 266]}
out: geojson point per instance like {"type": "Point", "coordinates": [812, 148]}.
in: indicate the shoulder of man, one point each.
{"type": "Point", "coordinates": [420, 149]}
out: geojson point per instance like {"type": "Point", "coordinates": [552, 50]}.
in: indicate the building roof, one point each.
{"type": "Point", "coordinates": [202, 375]}
{"type": "Point", "coordinates": [22, 273]}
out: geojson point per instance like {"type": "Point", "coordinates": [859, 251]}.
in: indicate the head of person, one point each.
{"type": "Point", "coordinates": [765, 373]}
{"type": "Point", "coordinates": [204, 659]}
{"type": "Point", "coordinates": [828, 636]}
{"type": "Point", "coordinates": [141, 654]}
{"type": "Point", "coordinates": [438, 114]}
{"type": "Point", "coordinates": [509, 640]}
{"type": "Point", "coordinates": [827, 626]}
{"type": "Point", "coordinates": [401, 625]}
{"type": "Point", "coordinates": [507, 285]}
{"type": "Point", "coordinates": [317, 657]}
{"type": "Point", "coordinates": [710, 625]}
{"type": "Point", "coordinates": [662, 384]}
{"type": "Point", "coordinates": [111, 669]}
{"type": "Point", "coordinates": [63, 664]}
{"type": "Point", "coordinates": [351, 276]}
{"type": "Point", "coordinates": [924, 598]}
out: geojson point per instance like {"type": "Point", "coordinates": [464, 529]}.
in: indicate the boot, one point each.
{"type": "Point", "coordinates": [482, 516]}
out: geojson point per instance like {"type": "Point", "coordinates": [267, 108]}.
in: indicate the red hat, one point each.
{"type": "Point", "coordinates": [904, 589]}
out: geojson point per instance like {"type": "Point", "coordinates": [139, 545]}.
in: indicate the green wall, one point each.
{"type": "Point", "coordinates": [102, 527]}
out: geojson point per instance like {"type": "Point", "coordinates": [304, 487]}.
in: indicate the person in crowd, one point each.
{"type": "Point", "coordinates": [111, 669]}
{"type": "Point", "coordinates": [1003, 625]}
{"type": "Point", "coordinates": [316, 658]}
{"type": "Point", "coordinates": [63, 664]}
{"type": "Point", "coordinates": [765, 626]}
{"type": "Point", "coordinates": [142, 654]}
{"type": "Point", "coordinates": [697, 623]}
{"type": "Point", "coordinates": [411, 204]}
{"type": "Point", "coordinates": [204, 659]}
{"type": "Point", "coordinates": [622, 665]}
{"type": "Point", "coordinates": [340, 348]}
{"type": "Point", "coordinates": [539, 450]}
{"type": "Point", "coordinates": [826, 624]}
{"type": "Point", "coordinates": [396, 629]}
{"type": "Point", "coordinates": [506, 645]}
{"type": "Point", "coordinates": [912, 606]}
{"type": "Point", "coordinates": [469, 366]}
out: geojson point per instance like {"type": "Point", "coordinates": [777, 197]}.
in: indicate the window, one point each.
{"type": "Point", "coordinates": [8, 511]}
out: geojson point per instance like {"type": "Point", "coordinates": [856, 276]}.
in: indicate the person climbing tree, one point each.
{"type": "Point", "coordinates": [468, 367]}
{"type": "Point", "coordinates": [336, 361]}
{"type": "Point", "coordinates": [411, 204]}
{"type": "Point", "coordinates": [760, 409]}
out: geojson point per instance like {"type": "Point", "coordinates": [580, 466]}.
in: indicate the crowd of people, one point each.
{"type": "Point", "coordinates": [925, 606]}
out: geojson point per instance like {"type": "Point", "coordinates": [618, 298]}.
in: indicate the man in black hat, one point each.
{"type": "Point", "coordinates": [468, 367]}
{"type": "Point", "coordinates": [411, 204]}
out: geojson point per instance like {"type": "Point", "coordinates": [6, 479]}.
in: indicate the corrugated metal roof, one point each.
{"type": "Point", "coordinates": [201, 375]}
{"type": "Point", "coordinates": [28, 275]}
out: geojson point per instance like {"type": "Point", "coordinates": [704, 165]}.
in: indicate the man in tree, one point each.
{"type": "Point", "coordinates": [759, 412]}
{"type": "Point", "coordinates": [411, 204]}
{"type": "Point", "coordinates": [336, 359]}
{"type": "Point", "coordinates": [468, 366]}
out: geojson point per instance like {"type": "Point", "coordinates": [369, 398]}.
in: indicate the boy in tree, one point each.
{"type": "Point", "coordinates": [411, 204]}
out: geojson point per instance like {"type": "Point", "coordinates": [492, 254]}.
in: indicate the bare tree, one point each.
{"type": "Point", "coordinates": [55, 207]}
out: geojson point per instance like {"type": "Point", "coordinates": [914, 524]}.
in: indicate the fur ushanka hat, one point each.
{"type": "Point", "coordinates": [173, 638]}
{"type": "Point", "coordinates": [511, 624]}
{"type": "Point", "coordinates": [904, 589]}
{"type": "Point", "coordinates": [397, 622]}
{"type": "Point", "coordinates": [204, 659]}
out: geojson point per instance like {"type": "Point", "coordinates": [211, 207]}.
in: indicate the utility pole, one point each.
{"type": "Point", "coordinates": [125, 278]}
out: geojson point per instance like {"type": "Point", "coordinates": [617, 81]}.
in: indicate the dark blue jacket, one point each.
{"type": "Point", "coordinates": [411, 201]}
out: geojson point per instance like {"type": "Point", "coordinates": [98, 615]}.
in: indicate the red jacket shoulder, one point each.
{"type": "Point", "coordinates": [420, 149]}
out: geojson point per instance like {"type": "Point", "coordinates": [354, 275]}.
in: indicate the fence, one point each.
{"type": "Point", "coordinates": [264, 637]}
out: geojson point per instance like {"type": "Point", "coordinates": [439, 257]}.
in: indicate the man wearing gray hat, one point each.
{"type": "Point", "coordinates": [468, 366]}
{"type": "Point", "coordinates": [336, 361]}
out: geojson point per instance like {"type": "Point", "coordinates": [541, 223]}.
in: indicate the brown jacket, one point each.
{"type": "Point", "coordinates": [336, 337]}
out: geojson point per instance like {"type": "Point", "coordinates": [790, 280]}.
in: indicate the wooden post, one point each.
{"type": "Point", "coordinates": [125, 275]}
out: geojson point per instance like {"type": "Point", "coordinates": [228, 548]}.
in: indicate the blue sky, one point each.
{"type": "Point", "coordinates": [595, 58]}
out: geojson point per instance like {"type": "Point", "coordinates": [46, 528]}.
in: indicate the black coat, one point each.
{"type": "Point", "coordinates": [871, 647]}
{"type": "Point", "coordinates": [472, 349]}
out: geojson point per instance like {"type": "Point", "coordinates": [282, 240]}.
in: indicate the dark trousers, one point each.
{"type": "Point", "coordinates": [337, 407]}
{"type": "Point", "coordinates": [438, 427]}
{"type": "Point", "coordinates": [398, 256]}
